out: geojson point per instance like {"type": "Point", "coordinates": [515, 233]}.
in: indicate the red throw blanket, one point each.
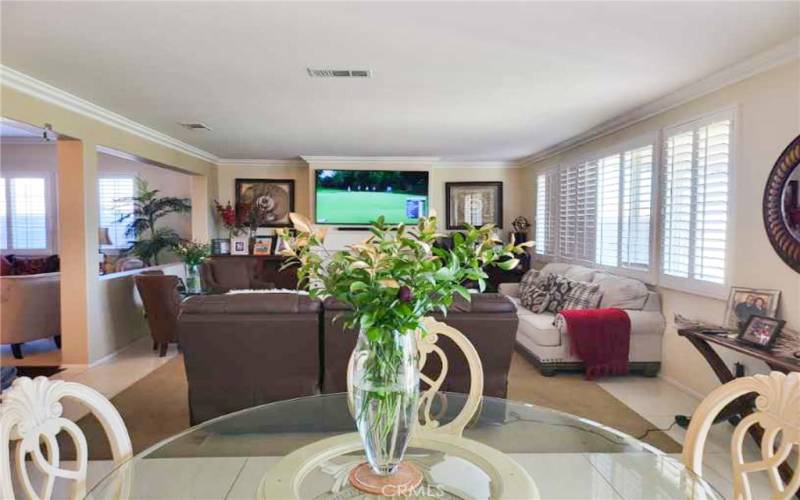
{"type": "Point", "coordinates": [600, 338]}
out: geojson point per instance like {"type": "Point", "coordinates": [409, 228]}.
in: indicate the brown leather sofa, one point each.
{"type": "Point", "coordinates": [244, 350]}
{"type": "Point", "coordinates": [224, 275]}
{"type": "Point", "coordinates": [489, 321]}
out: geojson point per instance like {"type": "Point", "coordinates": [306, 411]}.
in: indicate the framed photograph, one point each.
{"type": "Point", "coordinates": [263, 245]}
{"type": "Point", "coordinates": [270, 200]}
{"type": "Point", "coordinates": [240, 244]}
{"type": "Point", "coordinates": [761, 331]}
{"type": "Point", "coordinates": [746, 302]}
{"type": "Point", "coordinates": [475, 203]}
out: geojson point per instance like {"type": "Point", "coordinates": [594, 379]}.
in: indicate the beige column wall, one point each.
{"type": "Point", "coordinates": [83, 309]}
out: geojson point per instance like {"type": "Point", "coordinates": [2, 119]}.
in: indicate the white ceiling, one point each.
{"type": "Point", "coordinates": [455, 80]}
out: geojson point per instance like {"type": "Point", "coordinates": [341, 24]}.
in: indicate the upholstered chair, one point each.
{"type": "Point", "coordinates": [161, 299]}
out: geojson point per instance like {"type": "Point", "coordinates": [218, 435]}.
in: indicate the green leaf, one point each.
{"type": "Point", "coordinates": [508, 265]}
{"type": "Point", "coordinates": [463, 292]}
{"type": "Point", "coordinates": [357, 285]}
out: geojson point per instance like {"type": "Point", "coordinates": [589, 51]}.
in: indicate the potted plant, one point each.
{"type": "Point", "coordinates": [391, 281]}
{"type": "Point", "coordinates": [148, 208]}
{"type": "Point", "coordinates": [193, 254]}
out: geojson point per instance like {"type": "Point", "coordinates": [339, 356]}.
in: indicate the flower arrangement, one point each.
{"type": "Point", "coordinates": [193, 253]}
{"type": "Point", "coordinates": [392, 280]}
{"type": "Point", "coordinates": [230, 218]}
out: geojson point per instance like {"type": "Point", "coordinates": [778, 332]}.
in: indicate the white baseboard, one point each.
{"type": "Point", "coordinates": [674, 383]}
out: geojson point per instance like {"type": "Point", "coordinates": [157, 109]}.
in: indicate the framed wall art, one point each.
{"type": "Point", "coordinates": [475, 203]}
{"type": "Point", "coordinates": [267, 202]}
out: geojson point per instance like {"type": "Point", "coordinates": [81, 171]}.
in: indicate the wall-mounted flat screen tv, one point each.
{"type": "Point", "coordinates": [357, 197]}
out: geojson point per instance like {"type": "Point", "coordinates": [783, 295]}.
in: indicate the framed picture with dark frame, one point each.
{"type": "Point", "coordinates": [273, 200]}
{"type": "Point", "coordinates": [475, 203]}
{"type": "Point", "coordinates": [761, 331]}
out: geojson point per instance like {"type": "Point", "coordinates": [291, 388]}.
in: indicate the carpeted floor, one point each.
{"type": "Point", "coordinates": [156, 406]}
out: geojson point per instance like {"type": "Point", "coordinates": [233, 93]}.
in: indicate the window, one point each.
{"type": "Point", "coordinates": [696, 170]}
{"type": "Point", "coordinates": [24, 212]}
{"type": "Point", "coordinates": [115, 195]}
{"type": "Point", "coordinates": [603, 209]}
{"type": "Point", "coordinates": [546, 213]}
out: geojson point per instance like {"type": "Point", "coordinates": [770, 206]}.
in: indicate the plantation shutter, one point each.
{"type": "Point", "coordinates": [608, 210]}
{"type": "Point", "coordinates": [637, 180]}
{"type": "Point", "coordinates": [27, 206]}
{"type": "Point", "coordinates": [3, 216]}
{"type": "Point", "coordinates": [577, 206]}
{"type": "Point", "coordinates": [546, 213]}
{"type": "Point", "coordinates": [696, 170]}
{"type": "Point", "coordinates": [115, 195]}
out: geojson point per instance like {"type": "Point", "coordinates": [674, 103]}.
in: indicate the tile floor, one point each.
{"type": "Point", "coordinates": [653, 398]}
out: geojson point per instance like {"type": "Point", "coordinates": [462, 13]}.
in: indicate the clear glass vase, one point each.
{"type": "Point", "coordinates": [193, 278]}
{"type": "Point", "coordinates": [385, 380]}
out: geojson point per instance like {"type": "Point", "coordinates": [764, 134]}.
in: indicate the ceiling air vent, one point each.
{"type": "Point", "coordinates": [339, 73]}
{"type": "Point", "coordinates": [195, 126]}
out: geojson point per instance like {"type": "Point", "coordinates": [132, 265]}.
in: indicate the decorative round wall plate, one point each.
{"type": "Point", "coordinates": [453, 468]}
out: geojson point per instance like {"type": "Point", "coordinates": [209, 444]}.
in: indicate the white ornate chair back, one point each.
{"type": "Point", "coordinates": [30, 413]}
{"type": "Point", "coordinates": [777, 411]}
{"type": "Point", "coordinates": [427, 346]}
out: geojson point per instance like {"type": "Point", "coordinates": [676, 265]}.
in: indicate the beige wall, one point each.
{"type": "Point", "coordinates": [768, 118]}
{"type": "Point", "coordinates": [440, 173]}
{"type": "Point", "coordinates": [84, 334]}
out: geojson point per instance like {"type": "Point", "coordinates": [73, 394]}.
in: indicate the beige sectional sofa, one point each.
{"type": "Point", "coordinates": [30, 309]}
{"type": "Point", "coordinates": [547, 345]}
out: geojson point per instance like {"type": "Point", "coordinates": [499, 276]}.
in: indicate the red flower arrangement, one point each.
{"type": "Point", "coordinates": [229, 218]}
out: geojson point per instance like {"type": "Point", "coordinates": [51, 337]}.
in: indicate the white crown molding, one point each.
{"type": "Point", "coordinates": [764, 61]}
{"type": "Point", "coordinates": [46, 92]}
{"type": "Point", "coordinates": [476, 164]}
{"type": "Point", "coordinates": [232, 162]}
{"type": "Point", "coordinates": [425, 161]}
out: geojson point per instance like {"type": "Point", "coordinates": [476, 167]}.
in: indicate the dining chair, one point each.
{"type": "Point", "coordinates": [162, 302]}
{"type": "Point", "coordinates": [427, 340]}
{"type": "Point", "coordinates": [777, 411]}
{"type": "Point", "coordinates": [31, 414]}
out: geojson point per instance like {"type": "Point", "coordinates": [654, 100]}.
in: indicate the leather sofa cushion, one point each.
{"type": "Point", "coordinates": [232, 275]}
{"type": "Point", "coordinates": [481, 302]}
{"type": "Point", "coordinates": [622, 293]}
{"type": "Point", "coordinates": [540, 329]}
{"type": "Point", "coordinates": [251, 303]}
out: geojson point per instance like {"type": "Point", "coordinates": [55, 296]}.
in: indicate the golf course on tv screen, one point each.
{"type": "Point", "coordinates": [361, 196]}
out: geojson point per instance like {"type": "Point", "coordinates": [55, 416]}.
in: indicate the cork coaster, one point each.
{"type": "Point", "coordinates": [403, 481]}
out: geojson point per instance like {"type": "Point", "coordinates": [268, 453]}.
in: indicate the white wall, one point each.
{"type": "Point", "coordinates": [768, 118]}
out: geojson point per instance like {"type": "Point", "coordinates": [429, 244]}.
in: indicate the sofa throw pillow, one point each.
{"type": "Point", "coordinates": [583, 296]}
{"type": "Point", "coordinates": [558, 289]}
{"type": "Point", "coordinates": [533, 292]}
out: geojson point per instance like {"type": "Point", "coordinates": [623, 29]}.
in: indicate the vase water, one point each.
{"type": "Point", "coordinates": [193, 284]}
{"type": "Point", "coordinates": [385, 380]}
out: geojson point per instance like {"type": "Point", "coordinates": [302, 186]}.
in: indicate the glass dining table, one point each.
{"type": "Point", "coordinates": [566, 457]}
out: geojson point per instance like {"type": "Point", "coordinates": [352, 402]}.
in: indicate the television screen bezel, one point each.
{"type": "Point", "coordinates": [366, 224]}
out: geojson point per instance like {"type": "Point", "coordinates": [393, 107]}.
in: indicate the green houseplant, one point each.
{"type": "Point", "coordinates": [392, 280]}
{"type": "Point", "coordinates": [148, 240]}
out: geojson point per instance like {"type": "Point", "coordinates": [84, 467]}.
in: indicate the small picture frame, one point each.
{"type": "Point", "coordinates": [263, 245]}
{"type": "Point", "coordinates": [745, 302]}
{"type": "Point", "coordinates": [239, 245]}
{"type": "Point", "coordinates": [761, 331]}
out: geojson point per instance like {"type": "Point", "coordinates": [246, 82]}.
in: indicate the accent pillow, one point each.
{"type": "Point", "coordinates": [533, 292]}
{"type": "Point", "coordinates": [583, 296]}
{"type": "Point", "coordinates": [558, 289]}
